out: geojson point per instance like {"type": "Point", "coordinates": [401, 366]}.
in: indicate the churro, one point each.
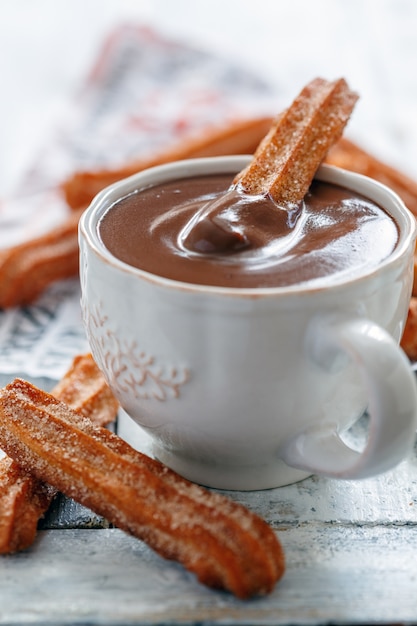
{"type": "Point", "coordinates": [240, 137]}
{"type": "Point", "coordinates": [409, 338]}
{"type": "Point", "coordinates": [225, 545]}
{"type": "Point", "coordinates": [287, 159]}
{"type": "Point", "coordinates": [26, 269]}
{"type": "Point", "coordinates": [23, 498]}
{"type": "Point", "coordinates": [84, 389]}
{"type": "Point", "coordinates": [348, 155]}
{"type": "Point", "coordinates": [23, 501]}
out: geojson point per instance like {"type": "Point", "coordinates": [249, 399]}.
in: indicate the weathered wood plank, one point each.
{"type": "Point", "coordinates": [65, 513]}
{"type": "Point", "coordinates": [335, 574]}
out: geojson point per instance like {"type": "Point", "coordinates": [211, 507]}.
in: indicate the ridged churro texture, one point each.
{"type": "Point", "coordinates": [225, 545]}
{"type": "Point", "coordinates": [23, 498]}
{"type": "Point", "coordinates": [23, 501]}
{"type": "Point", "coordinates": [288, 157]}
{"type": "Point", "coordinates": [349, 156]}
{"type": "Point", "coordinates": [236, 137]}
{"type": "Point", "coordinates": [28, 268]}
{"type": "Point", "coordinates": [85, 390]}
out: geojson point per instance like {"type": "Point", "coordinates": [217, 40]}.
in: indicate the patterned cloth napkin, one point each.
{"type": "Point", "coordinates": [143, 94]}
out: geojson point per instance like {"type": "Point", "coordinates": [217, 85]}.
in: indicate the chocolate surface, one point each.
{"type": "Point", "coordinates": [242, 241]}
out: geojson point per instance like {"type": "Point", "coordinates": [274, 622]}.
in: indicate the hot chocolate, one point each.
{"type": "Point", "coordinates": [180, 231]}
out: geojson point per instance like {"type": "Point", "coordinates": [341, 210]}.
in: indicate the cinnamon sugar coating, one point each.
{"type": "Point", "coordinates": [28, 268]}
{"type": "Point", "coordinates": [85, 390]}
{"type": "Point", "coordinates": [223, 543]}
{"type": "Point", "coordinates": [287, 158]}
{"type": "Point", "coordinates": [235, 137]}
{"type": "Point", "coordinates": [24, 499]}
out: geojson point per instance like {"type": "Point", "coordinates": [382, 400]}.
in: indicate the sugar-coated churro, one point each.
{"type": "Point", "coordinates": [239, 137]}
{"type": "Point", "coordinates": [220, 541]}
{"type": "Point", "coordinates": [23, 501]}
{"type": "Point", "coordinates": [23, 498]}
{"type": "Point", "coordinates": [287, 158]}
{"type": "Point", "coordinates": [84, 389]}
{"type": "Point", "coordinates": [348, 155]}
{"type": "Point", "coordinates": [409, 338]}
{"type": "Point", "coordinates": [26, 269]}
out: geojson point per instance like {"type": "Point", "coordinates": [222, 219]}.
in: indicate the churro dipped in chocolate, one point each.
{"type": "Point", "coordinates": [279, 174]}
{"type": "Point", "coordinates": [24, 499]}
{"type": "Point", "coordinates": [223, 543]}
{"type": "Point", "coordinates": [286, 160]}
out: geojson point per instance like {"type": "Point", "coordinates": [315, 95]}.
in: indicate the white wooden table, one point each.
{"type": "Point", "coordinates": [351, 547]}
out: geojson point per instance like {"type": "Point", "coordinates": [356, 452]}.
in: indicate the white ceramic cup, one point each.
{"type": "Point", "coordinates": [253, 388]}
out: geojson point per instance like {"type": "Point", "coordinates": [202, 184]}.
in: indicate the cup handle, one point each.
{"type": "Point", "coordinates": [391, 390]}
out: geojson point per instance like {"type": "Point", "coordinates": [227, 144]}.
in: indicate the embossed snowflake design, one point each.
{"type": "Point", "coordinates": [133, 370]}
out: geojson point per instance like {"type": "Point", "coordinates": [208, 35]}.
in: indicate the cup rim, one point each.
{"type": "Point", "coordinates": [368, 187]}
